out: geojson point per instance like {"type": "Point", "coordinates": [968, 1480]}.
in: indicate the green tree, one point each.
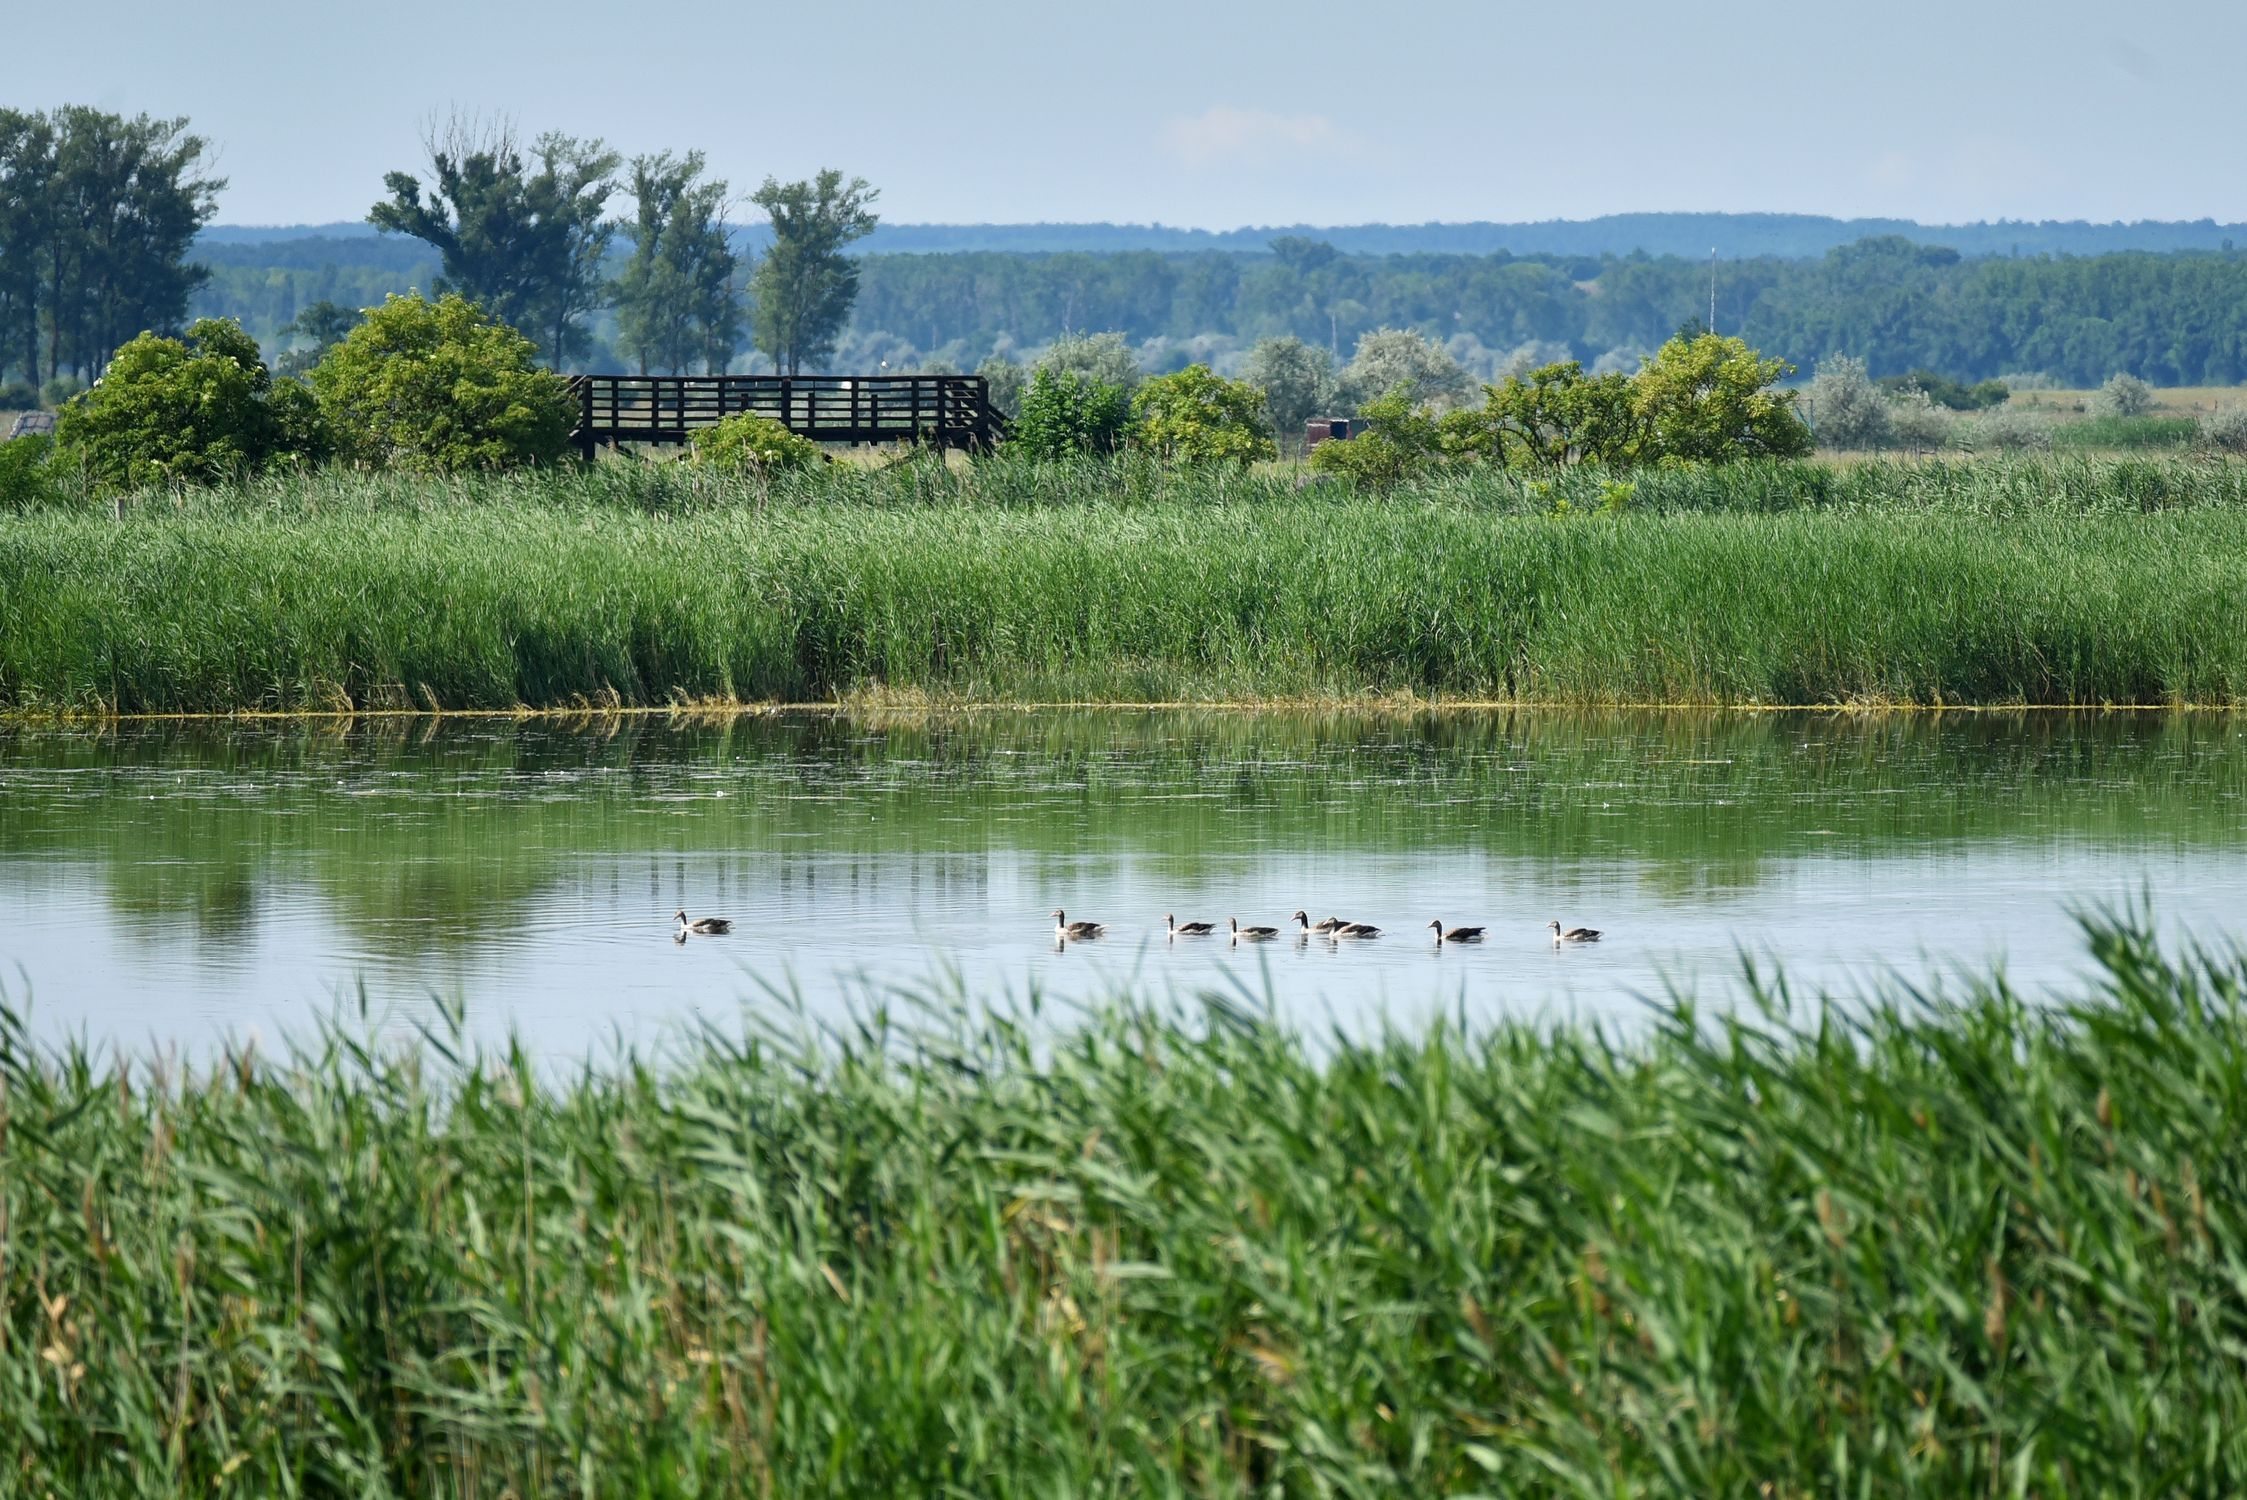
{"type": "Point", "coordinates": [677, 300]}
{"type": "Point", "coordinates": [97, 216]}
{"type": "Point", "coordinates": [441, 387]}
{"type": "Point", "coordinates": [1709, 399]}
{"type": "Point", "coordinates": [27, 164]}
{"type": "Point", "coordinates": [1066, 413]}
{"type": "Point", "coordinates": [1195, 416]}
{"type": "Point", "coordinates": [1103, 359]}
{"type": "Point", "coordinates": [1297, 380]}
{"type": "Point", "coordinates": [182, 411]}
{"type": "Point", "coordinates": [805, 284]}
{"type": "Point", "coordinates": [1847, 410]}
{"type": "Point", "coordinates": [1400, 442]}
{"type": "Point", "coordinates": [1554, 417]}
{"type": "Point", "coordinates": [321, 326]}
{"type": "Point", "coordinates": [521, 235]}
{"type": "Point", "coordinates": [1004, 381]}
{"type": "Point", "coordinates": [1392, 359]}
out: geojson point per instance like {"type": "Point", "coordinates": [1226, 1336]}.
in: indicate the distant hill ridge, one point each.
{"type": "Point", "coordinates": [1732, 236]}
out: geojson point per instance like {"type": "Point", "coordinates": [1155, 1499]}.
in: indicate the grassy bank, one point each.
{"type": "Point", "coordinates": [404, 599]}
{"type": "Point", "coordinates": [1984, 1248]}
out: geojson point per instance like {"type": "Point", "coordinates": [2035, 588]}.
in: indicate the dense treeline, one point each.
{"type": "Point", "coordinates": [1736, 236]}
{"type": "Point", "coordinates": [2173, 319]}
{"type": "Point", "coordinates": [97, 214]}
{"type": "Point", "coordinates": [2176, 319]}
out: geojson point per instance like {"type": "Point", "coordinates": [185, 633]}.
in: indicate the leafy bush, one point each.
{"type": "Point", "coordinates": [1400, 443]}
{"type": "Point", "coordinates": [18, 395]}
{"type": "Point", "coordinates": [2225, 430]}
{"type": "Point", "coordinates": [174, 411]}
{"type": "Point", "coordinates": [440, 387]}
{"type": "Point", "coordinates": [1709, 399]}
{"type": "Point", "coordinates": [2123, 396]}
{"type": "Point", "coordinates": [1557, 416]}
{"type": "Point", "coordinates": [1846, 409]}
{"type": "Point", "coordinates": [1196, 416]}
{"type": "Point", "coordinates": [1916, 421]}
{"type": "Point", "coordinates": [27, 479]}
{"type": "Point", "coordinates": [1066, 413]}
{"type": "Point", "coordinates": [1952, 395]}
{"type": "Point", "coordinates": [750, 444]}
{"type": "Point", "coordinates": [2011, 429]}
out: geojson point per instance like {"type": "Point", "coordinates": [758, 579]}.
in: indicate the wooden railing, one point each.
{"type": "Point", "coordinates": [947, 411]}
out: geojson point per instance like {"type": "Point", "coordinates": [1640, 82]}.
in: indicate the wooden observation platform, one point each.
{"type": "Point", "coordinates": [946, 411]}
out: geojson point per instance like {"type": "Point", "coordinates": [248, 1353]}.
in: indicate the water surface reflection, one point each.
{"type": "Point", "coordinates": [177, 881]}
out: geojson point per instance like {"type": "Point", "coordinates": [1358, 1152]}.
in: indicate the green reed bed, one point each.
{"type": "Point", "coordinates": [1972, 1246]}
{"type": "Point", "coordinates": [225, 606]}
{"type": "Point", "coordinates": [1987, 485]}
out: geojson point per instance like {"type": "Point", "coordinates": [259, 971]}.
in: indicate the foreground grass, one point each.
{"type": "Point", "coordinates": [1968, 1247]}
{"type": "Point", "coordinates": [1234, 594]}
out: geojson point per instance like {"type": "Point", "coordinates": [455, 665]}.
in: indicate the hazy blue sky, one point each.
{"type": "Point", "coordinates": [1222, 114]}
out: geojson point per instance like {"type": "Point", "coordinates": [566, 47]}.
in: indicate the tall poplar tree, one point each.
{"type": "Point", "coordinates": [805, 285]}
{"type": "Point", "coordinates": [97, 215]}
{"type": "Point", "coordinates": [678, 300]}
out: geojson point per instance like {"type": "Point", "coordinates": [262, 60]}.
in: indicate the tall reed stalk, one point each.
{"type": "Point", "coordinates": [1899, 1246]}
{"type": "Point", "coordinates": [506, 603]}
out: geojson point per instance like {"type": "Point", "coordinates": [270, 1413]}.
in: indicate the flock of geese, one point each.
{"type": "Point", "coordinates": [1335, 928]}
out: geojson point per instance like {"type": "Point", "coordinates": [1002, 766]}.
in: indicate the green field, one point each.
{"type": "Point", "coordinates": [1979, 1246]}
{"type": "Point", "coordinates": [2055, 582]}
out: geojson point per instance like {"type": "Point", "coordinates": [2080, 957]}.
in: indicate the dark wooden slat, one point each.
{"type": "Point", "coordinates": [952, 410]}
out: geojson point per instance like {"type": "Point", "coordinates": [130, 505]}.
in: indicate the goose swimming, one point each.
{"type": "Point", "coordinates": [1187, 929]}
{"type": "Point", "coordinates": [1574, 934]}
{"type": "Point", "coordinates": [702, 926]}
{"type": "Point", "coordinates": [1456, 934]}
{"type": "Point", "coordinates": [1077, 931]}
{"type": "Point", "coordinates": [1252, 934]}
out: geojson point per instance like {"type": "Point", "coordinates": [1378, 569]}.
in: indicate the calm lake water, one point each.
{"type": "Point", "coordinates": [181, 883]}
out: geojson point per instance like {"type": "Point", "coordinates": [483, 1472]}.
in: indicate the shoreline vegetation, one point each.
{"type": "Point", "coordinates": [1994, 582]}
{"type": "Point", "coordinates": [1915, 1241]}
